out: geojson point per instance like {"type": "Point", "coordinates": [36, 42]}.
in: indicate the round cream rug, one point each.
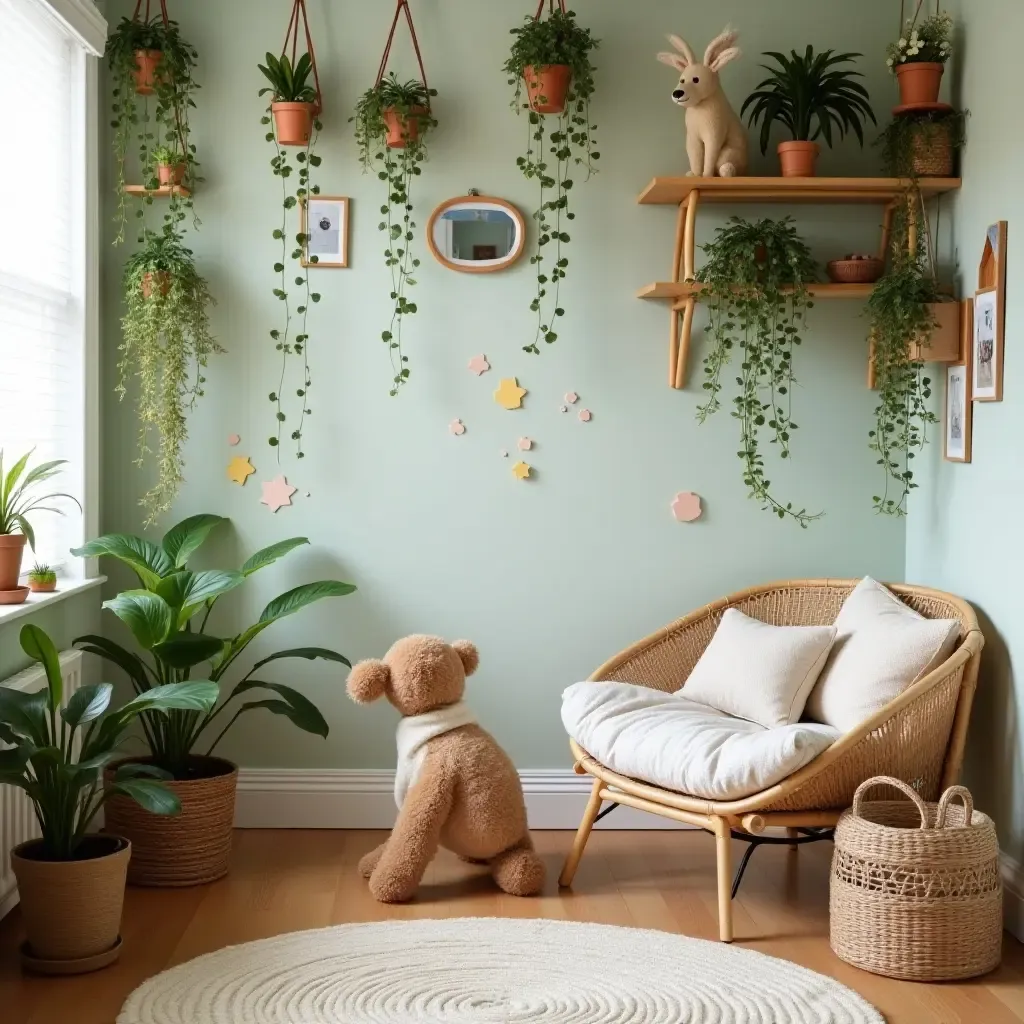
{"type": "Point", "coordinates": [491, 971]}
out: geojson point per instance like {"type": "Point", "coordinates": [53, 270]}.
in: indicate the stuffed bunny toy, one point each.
{"type": "Point", "coordinates": [716, 141]}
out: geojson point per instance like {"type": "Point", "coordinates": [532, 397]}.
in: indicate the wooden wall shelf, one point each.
{"type": "Point", "coordinates": [163, 192]}
{"type": "Point", "coordinates": [688, 193]}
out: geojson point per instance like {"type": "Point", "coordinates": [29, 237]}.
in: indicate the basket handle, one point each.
{"type": "Point", "coordinates": [886, 780]}
{"type": "Point", "coordinates": [948, 797]}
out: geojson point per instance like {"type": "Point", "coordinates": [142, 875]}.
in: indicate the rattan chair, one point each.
{"type": "Point", "coordinates": [919, 737]}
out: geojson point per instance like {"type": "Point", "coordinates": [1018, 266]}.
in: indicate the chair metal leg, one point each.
{"type": "Point", "coordinates": [723, 849]}
{"type": "Point", "coordinates": [582, 835]}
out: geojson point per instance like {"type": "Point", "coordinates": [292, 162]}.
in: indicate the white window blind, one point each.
{"type": "Point", "coordinates": [42, 249]}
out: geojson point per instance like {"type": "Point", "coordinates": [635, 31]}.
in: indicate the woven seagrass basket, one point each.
{"type": "Point", "coordinates": [916, 892]}
{"type": "Point", "coordinates": [932, 152]}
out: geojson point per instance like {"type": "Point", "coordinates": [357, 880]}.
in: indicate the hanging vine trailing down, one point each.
{"type": "Point", "coordinates": [755, 286]}
{"type": "Point", "coordinates": [551, 155]}
{"type": "Point", "coordinates": [290, 84]}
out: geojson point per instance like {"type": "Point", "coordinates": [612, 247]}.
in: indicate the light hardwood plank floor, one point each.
{"type": "Point", "coordinates": [284, 881]}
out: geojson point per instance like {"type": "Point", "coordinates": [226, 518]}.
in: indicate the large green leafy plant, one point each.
{"type": "Point", "coordinates": [57, 751]}
{"type": "Point", "coordinates": [18, 497]}
{"type": "Point", "coordinates": [290, 84]}
{"type": "Point", "coordinates": [166, 345]}
{"type": "Point", "coordinates": [168, 615]}
{"type": "Point", "coordinates": [161, 119]}
{"type": "Point", "coordinates": [406, 105]}
{"type": "Point", "coordinates": [755, 286]}
{"type": "Point", "coordinates": [555, 145]}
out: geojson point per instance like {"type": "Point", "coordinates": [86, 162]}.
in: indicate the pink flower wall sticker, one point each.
{"type": "Point", "coordinates": [686, 507]}
{"type": "Point", "coordinates": [478, 364]}
{"type": "Point", "coordinates": [457, 427]}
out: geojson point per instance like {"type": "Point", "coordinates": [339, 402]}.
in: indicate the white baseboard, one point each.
{"type": "Point", "coordinates": [345, 798]}
{"type": "Point", "coordinates": [1013, 895]}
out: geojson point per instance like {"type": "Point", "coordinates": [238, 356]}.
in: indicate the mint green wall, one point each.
{"type": "Point", "coordinates": [62, 621]}
{"type": "Point", "coordinates": [552, 576]}
{"type": "Point", "coordinates": [964, 530]}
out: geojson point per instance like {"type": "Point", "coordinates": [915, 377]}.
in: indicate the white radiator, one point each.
{"type": "Point", "coordinates": [17, 819]}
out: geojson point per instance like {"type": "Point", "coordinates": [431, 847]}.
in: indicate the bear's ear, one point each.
{"type": "Point", "coordinates": [468, 655]}
{"type": "Point", "coordinates": [368, 680]}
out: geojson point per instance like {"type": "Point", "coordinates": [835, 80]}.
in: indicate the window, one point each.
{"type": "Point", "coordinates": [46, 304]}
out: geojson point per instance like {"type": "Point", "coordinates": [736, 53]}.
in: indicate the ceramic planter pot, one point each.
{"type": "Point", "coordinates": [401, 129]}
{"type": "Point", "coordinates": [159, 280]}
{"type": "Point", "coordinates": [919, 83]}
{"type": "Point", "coordinates": [146, 63]}
{"type": "Point", "coordinates": [189, 848]}
{"type": "Point", "coordinates": [799, 159]}
{"type": "Point", "coordinates": [72, 909]}
{"type": "Point", "coordinates": [42, 586]}
{"type": "Point", "coordinates": [293, 122]}
{"type": "Point", "coordinates": [12, 547]}
{"type": "Point", "coordinates": [547, 87]}
{"type": "Point", "coordinates": [170, 174]}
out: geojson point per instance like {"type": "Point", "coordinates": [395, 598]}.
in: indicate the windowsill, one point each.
{"type": "Point", "coordinates": [36, 602]}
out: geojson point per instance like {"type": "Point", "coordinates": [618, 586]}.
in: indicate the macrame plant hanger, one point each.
{"type": "Point", "coordinates": [403, 5]}
{"type": "Point", "coordinates": [292, 35]}
{"type": "Point", "coordinates": [551, 8]}
{"type": "Point", "coordinates": [903, 12]}
{"type": "Point", "coordinates": [138, 9]}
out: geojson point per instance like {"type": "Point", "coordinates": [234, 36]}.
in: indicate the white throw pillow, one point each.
{"type": "Point", "coordinates": [759, 672]}
{"type": "Point", "coordinates": [882, 647]}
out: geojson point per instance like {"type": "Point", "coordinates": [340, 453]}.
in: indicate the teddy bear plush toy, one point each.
{"type": "Point", "coordinates": [455, 787]}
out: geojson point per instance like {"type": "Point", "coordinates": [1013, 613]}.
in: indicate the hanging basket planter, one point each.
{"type": "Point", "coordinates": [293, 122]}
{"type": "Point", "coordinates": [156, 282]}
{"type": "Point", "coordinates": [403, 129]}
{"type": "Point", "coordinates": [295, 104]}
{"type": "Point", "coordinates": [547, 87]}
{"type": "Point", "coordinates": [145, 74]}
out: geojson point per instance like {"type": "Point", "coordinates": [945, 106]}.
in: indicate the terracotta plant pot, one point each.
{"type": "Point", "coordinates": [402, 130]}
{"type": "Point", "coordinates": [190, 848]}
{"type": "Point", "coordinates": [171, 174]}
{"type": "Point", "coordinates": [42, 586]}
{"type": "Point", "coordinates": [72, 909]}
{"type": "Point", "coordinates": [146, 63]}
{"type": "Point", "coordinates": [293, 122]}
{"type": "Point", "coordinates": [156, 280]}
{"type": "Point", "coordinates": [799, 159]}
{"type": "Point", "coordinates": [19, 595]}
{"type": "Point", "coordinates": [919, 83]}
{"type": "Point", "coordinates": [547, 87]}
{"type": "Point", "coordinates": [12, 547]}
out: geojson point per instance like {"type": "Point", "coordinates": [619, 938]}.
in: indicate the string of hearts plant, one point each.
{"type": "Point", "coordinates": [550, 58]}
{"type": "Point", "coordinates": [292, 120]}
{"type": "Point", "coordinates": [755, 286]}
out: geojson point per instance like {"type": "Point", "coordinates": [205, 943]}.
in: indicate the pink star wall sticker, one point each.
{"type": "Point", "coordinates": [479, 364]}
{"type": "Point", "coordinates": [277, 493]}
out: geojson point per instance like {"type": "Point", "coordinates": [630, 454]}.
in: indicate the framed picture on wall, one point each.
{"type": "Point", "coordinates": [987, 349]}
{"type": "Point", "coordinates": [325, 220]}
{"type": "Point", "coordinates": [959, 409]}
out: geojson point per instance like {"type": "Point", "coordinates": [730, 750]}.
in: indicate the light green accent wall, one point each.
{"type": "Point", "coordinates": [549, 577]}
{"type": "Point", "coordinates": [62, 621]}
{"type": "Point", "coordinates": [964, 529]}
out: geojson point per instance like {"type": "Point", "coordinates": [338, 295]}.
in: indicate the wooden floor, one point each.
{"type": "Point", "coordinates": [285, 881]}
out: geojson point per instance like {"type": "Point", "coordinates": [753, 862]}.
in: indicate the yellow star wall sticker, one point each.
{"type": "Point", "coordinates": [240, 469]}
{"type": "Point", "coordinates": [509, 394]}
{"type": "Point", "coordinates": [521, 471]}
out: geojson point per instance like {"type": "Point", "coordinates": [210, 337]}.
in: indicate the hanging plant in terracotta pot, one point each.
{"type": "Point", "coordinates": [392, 123]}
{"type": "Point", "coordinates": [292, 120]}
{"type": "Point", "coordinates": [812, 98]}
{"type": "Point", "coordinates": [551, 62]}
{"type": "Point", "coordinates": [919, 56]}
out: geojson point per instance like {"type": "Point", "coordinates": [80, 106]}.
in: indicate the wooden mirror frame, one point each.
{"type": "Point", "coordinates": [482, 266]}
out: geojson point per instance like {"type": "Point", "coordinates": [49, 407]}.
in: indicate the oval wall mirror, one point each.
{"type": "Point", "coordinates": [476, 234]}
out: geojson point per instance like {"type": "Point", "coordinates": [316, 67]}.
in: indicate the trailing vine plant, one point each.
{"type": "Point", "coordinates": [555, 144]}
{"type": "Point", "coordinates": [153, 73]}
{"type": "Point", "coordinates": [755, 286]}
{"type": "Point", "coordinates": [290, 84]}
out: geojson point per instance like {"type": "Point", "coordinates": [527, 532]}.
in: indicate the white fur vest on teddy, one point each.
{"type": "Point", "coordinates": [415, 732]}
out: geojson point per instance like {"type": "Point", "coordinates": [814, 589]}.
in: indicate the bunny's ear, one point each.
{"type": "Point", "coordinates": [673, 60]}
{"type": "Point", "coordinates": [724, 57]}
{"type": "Point", "coordinates": [684, 48]}
{"type": "Point", "coordinates": [718, 47]}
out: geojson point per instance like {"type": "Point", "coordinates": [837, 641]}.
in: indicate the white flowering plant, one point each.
{"type": "Point", "coordinates": [930, 41]}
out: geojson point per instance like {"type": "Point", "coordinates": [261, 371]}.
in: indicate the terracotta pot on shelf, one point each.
{"type": "Point", "coordinates": [190, 848]}
{"type": "Point", "coordinates": [72, 909]}
{"type": "Point", "coordinates": [919, 82]}
{"type": "Point", "coordinates": [171, 174]}
{"type": "Point", "coordinates": [146, 63]}
{"type": "Point", "coordinates": [294, 122]}
{"type": "Point", "coordinates": [42, 586]}
{"type": "Point", "coordinates": [799, 159]}
{"type": "Point", "coordinates": [156, 280]}
{"type": "Point", "coordinates": [12, 547]}
{"type": "Point", "coordinates": [547, 87]}
{"type": "Point", "coordinates": [403, 129]}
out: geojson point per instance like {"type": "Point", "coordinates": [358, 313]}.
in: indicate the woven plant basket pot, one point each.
{"type": "Point", "coordinates": [931, 152]}
{"type": "Point", "coordinates": [189, 848]}
{"type": "Point", "coordinates": [915, 891]}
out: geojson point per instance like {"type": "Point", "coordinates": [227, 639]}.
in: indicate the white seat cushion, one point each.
{"type": "Point", "coordinates": [757, 671]}
{"type": "Point", "coordinates": [881, 648]}
{"type": "Point", "coordinates": [670, 741]}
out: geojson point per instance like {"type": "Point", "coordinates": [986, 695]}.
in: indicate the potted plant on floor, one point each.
{"type": "Point", "coordinates": [42, 579]}
{"type": "Point", "coordinates": [919, 56]}
{"type": "Point", "coordinates": [18, 501]}
{"type": "Point", "coordinates": [168, 616]}
{"type": "Point", "coordinates": [755, 286]}
{"type": "Point", "coordinates": [812, 98]}
{"type": "Point", "coordinates": [71, 881]}
{"type": "Point", "coordinates": [551, 59]}
{"type": "Point", "coordinates": [166, 345]}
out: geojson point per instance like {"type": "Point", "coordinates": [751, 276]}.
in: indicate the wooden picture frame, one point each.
{"type": "Point", "coordinates": [328, 228]}
{"type": "Point", "coordinates": [958, 423]}
{"type": "Point", "coordinates": [990, 317]}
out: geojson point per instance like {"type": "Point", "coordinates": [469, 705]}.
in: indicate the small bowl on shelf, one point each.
{"type": "Point", "coordinates": [855, 269]}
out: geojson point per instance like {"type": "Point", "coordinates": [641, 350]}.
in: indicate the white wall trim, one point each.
{"type": "Point", "coordinates": [347, 798]}
{"type": "Point", "coordinates": [1013, 895]}
{"type": "Point", "coordinates": [83, 19]}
